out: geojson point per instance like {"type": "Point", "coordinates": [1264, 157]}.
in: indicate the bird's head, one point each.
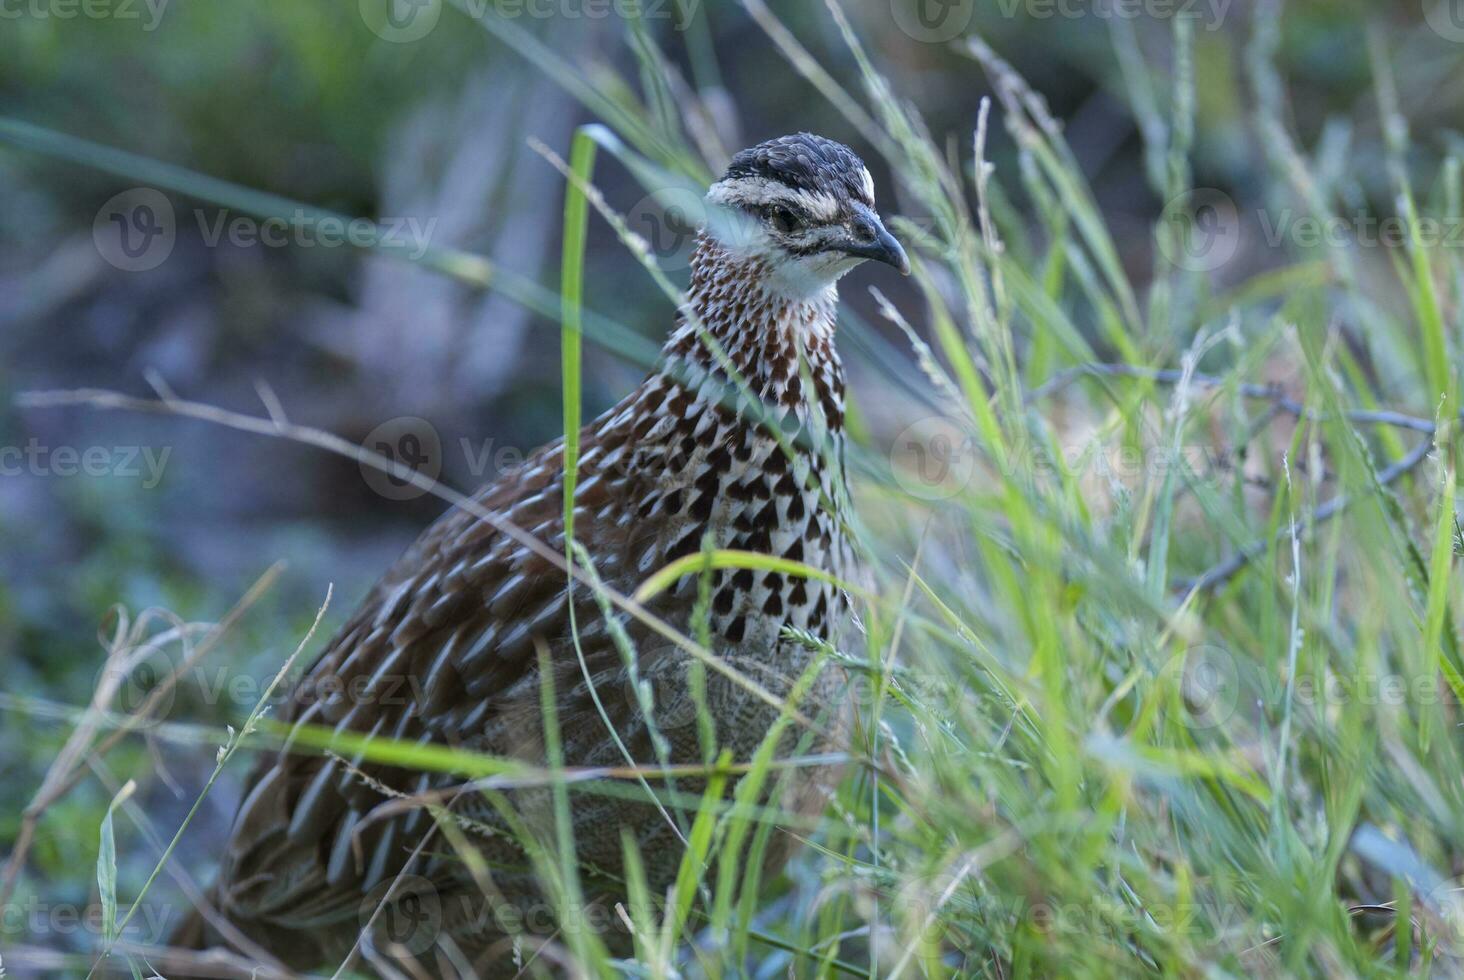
{"type": "Point", "coordinates": [803, 206]}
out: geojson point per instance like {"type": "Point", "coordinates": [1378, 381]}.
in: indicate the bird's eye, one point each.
{"type": "Point", "coordinates": [785, 221]}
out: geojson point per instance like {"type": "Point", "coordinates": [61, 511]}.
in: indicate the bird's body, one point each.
{"type": "Point", "coordinates": [736, 441]}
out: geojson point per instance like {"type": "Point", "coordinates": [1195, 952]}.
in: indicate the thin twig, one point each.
{"type": "Point", "coordinates": [1271, 393]}
{"type": "Point", "coordinates": [1223, 572]}
{"type": "Point", "coordinates": [1280, 403]}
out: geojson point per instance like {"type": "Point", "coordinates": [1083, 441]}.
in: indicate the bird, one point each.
{"type": "Point", "coordinates": [734, 441]}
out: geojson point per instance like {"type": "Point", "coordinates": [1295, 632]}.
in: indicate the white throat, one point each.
{"type": "Point", "coordinates": [793, 278]}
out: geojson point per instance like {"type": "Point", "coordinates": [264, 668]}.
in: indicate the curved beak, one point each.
{"type": "Point", "coordinates": [868, 239]}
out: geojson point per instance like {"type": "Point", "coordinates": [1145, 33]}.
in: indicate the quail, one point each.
{"type": "Point", "coordinates": [736, 442]}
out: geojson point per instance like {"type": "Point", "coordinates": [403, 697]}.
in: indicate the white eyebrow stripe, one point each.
{"type": "Point", "coordinates": [868, 183]}
{"type": "Point", "coordinates": [760, 192]}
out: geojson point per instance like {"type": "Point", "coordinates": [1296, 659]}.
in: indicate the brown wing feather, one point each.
{"type": "Point", "coordinates": [441, 649]}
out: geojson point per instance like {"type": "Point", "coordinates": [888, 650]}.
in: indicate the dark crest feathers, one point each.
{"type": "Point", "coordinates": [807, 162]}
